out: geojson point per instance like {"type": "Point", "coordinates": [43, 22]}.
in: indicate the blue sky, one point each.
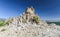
{"type": "Point", "coordinates": [46, 9]}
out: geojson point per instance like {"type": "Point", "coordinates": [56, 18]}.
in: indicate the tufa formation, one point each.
{"type": "Point", "coordinates": [27, 17]}
{"type": "Point", "coordinates": [29, 25]}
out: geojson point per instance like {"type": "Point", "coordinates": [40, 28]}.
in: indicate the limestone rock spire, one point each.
{"type": "Point", "coordinates": [29, 10]}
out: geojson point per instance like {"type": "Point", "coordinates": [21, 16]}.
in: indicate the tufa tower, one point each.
{"type": "Point", "coordinates": [27, 17]}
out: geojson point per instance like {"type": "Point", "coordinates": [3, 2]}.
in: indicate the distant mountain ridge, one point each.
{"type": "Point", "coordinates": [52, 20]}
{"type": "Point", "coordinates": [2, 19]}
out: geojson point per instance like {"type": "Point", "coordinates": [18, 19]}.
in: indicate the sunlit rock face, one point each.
{"type": "Point", "coordinates": [29, 13]}
{"type": "Point", "coordinates": [30, 10]}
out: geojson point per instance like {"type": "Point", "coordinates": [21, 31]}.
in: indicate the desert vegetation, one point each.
{"type": "Point", "coordinates": [2, 23]}
{"type": "Point", "coordinates": [36, 19]}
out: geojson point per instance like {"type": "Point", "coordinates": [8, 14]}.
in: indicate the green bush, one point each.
{"type": "Point", "coordinates": [2, 23]}
{"type": "Point", "coordinates": [36, 19]}
{"type": "Point", "coordinates": [8, 21]}
{"type": "Point", "coordinates": [3, 29]}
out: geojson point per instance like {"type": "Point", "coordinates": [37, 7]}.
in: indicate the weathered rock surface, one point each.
{"type": "Point", "coordinates": [30, 30]}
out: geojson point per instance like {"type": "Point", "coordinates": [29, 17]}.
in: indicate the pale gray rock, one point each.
{"type": "Point", "coordinates": [30, 30]}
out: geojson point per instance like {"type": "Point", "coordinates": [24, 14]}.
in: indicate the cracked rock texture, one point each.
{"type": "Point", "coordinates": [30, 30]}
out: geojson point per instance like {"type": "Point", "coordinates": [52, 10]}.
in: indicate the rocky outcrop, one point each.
{"type": "Point", "coordinates": [26, 25]}
{"type": "Point", "coordinates": [26, 17]}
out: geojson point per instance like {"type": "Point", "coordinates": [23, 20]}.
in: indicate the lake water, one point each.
{"type": "Point", "coordinates": [57, 23]}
